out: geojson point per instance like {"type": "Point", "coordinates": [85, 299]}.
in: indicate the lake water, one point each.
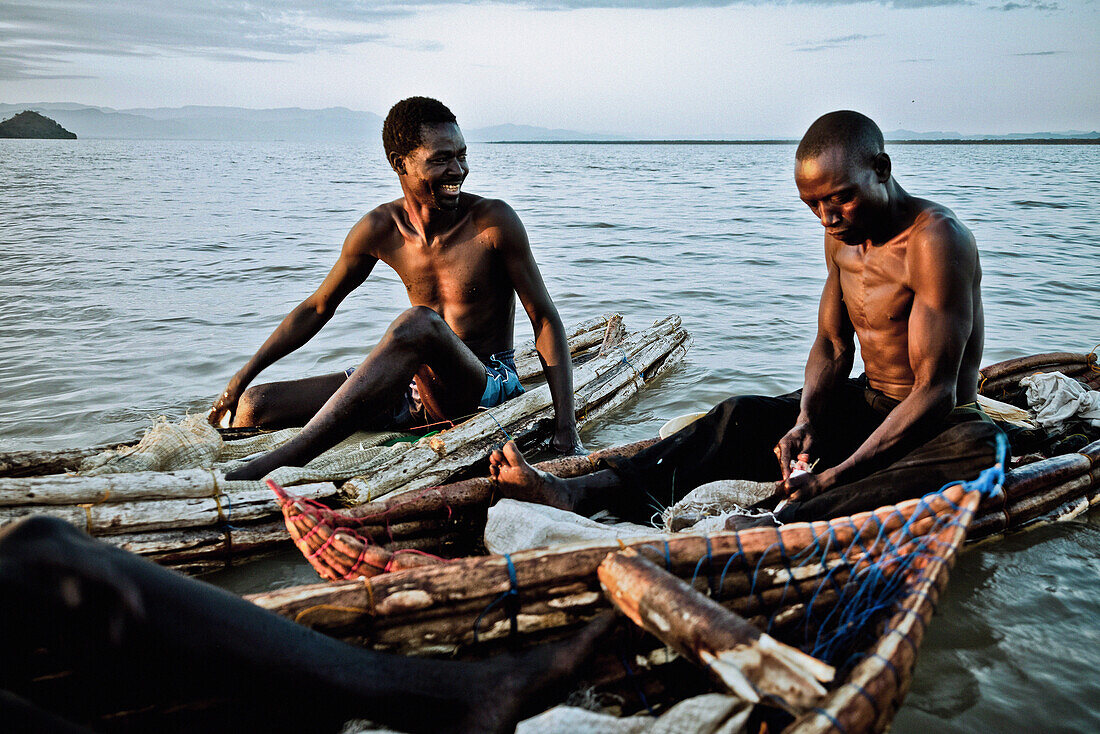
{"type": "Point", "coordinates": [138, 276]}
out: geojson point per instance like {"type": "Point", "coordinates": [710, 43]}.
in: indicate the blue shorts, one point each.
{"type": "Point", "coordinates": [501, 383]}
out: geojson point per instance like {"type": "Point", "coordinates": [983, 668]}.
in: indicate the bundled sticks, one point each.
{"type": "Point", "coordinates": [751, 572]}
{"type": "Point", "coordinates": [1058, 488]}
{"type": "Point", "coordinates": [599, 385]}
{"type": "Point", "coordinates": [1002, 380]}
{"type": "Point", "coordinates": [787, 580]}
{"type": "Point", "coordinates": [195, 521]}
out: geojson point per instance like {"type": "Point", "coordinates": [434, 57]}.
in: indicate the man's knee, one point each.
{"type": "Point", "coordinates": [254, 407]}
{"type": "Point", "coordinates": [417, 327]}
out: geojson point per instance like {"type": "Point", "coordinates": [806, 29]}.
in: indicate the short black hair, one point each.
{"type": "Point", "coordinates": [401, 132]}
{"type": "Point", "coordinates": [855, 132]}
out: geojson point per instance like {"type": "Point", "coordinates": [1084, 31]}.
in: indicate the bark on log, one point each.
{"type": "Point", "coordinates": [1026, 479]}
{"type": "Point", "coordinates": [1031, 363]}
{"type": "Point", "coordinates": [445, 453]}
{"type": "Point", "coordinates": [75, 489]}
{"type": "Point", "coordinates": [113, 518]}
{"type": "Point", "coordinates": [743, 659]}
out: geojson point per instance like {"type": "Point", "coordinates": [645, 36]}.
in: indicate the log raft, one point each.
{"type": "Point", "coordinates": [194, 521]}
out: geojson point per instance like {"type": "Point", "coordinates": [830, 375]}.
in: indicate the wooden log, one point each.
{"type": "Point", "coordinates": [586, 334]}
{"type": "Point", "coordinates": [112, 518]}
{"type": "Point", "coordinates": [1024, 509]}
{"type": "Point", "coordinates": [1056, 470]}
{"type": "Point", "coordinates": [737, 654]}
{"type": "Point", "coordinates": [169, 546]}
{"type": "Point", "coordinates": [1011, 382]}
{"type": "Point", "coordinates": [445, 453]}
{"type": "Point", "coordinates": [1030, 363]}
{"type": "Point", "coordinates": [1091, 452]}
{"type": "Point", "coordinates": [33, 463]}
{"type": "Point", "coordinates": [75, 489]}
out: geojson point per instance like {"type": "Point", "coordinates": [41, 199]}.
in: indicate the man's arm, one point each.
{"type": "Point", "coordinates": [943, 263]}
{"type": "Point", "coordinates": [830, 361]}
{"type": "Point", "coordinates": [550, 339]}
{"type": "Point", "coordinates": [302, 324]}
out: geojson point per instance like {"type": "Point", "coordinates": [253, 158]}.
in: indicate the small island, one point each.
{"type": "Point", "coordinates": [33, 125]}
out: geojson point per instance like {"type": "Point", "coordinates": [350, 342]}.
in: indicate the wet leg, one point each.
{"type": "Point", "coordinates": [285, 404]}
{"type": "Point", "coordinates": [127, 625]}
{"type": "Point", "coordinates": [418, 337]}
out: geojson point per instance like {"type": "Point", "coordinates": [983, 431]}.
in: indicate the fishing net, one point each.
{"type": "Point", "coordinates": [854, 592]}
{"type": "Point", "coordinates": [192, 443]}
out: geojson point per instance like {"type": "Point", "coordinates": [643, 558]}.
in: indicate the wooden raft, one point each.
{"type": "Point", "coordinates": [450, 519]}
{"type": "Point", "coordinates": [190, 521]}
{"type": "Point", "coordinates": [472, 606]}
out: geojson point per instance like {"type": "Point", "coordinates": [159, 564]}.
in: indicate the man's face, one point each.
{"type": "Point", "coordinates": [435, 170]}
{"type": "Point", "coordinates": [847, 195]}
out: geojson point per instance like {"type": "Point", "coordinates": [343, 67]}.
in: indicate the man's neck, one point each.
{"type": "Point", "coordinates": [898, 215]}
{"type": "Point", "coordinates": [428, 221]}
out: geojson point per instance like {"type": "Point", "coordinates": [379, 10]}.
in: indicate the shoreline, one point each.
{"type": "Point", "coordinates": [944, 141]}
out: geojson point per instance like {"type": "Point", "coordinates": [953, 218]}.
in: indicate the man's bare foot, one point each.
{"type": "Point", "coordinates": [518, 686]}
{"type": "Point", "coordinates": [519, 480]}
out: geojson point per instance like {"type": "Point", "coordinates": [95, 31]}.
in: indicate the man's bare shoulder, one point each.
{"type": "Point", "coordinates": [497, 219]}
{"type": "Point", "coordinates": [937, 231]}
{"type": "Point", "coordinates": [376, 229]}
{"type": "Point", "coordinates": [940, 243]}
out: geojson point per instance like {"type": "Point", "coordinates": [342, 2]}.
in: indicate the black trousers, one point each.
{"type": "Point", "coordinates": [735, 440]}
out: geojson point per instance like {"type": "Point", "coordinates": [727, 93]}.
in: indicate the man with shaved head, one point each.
{"type": "Point", "coordinates": [904, 279]}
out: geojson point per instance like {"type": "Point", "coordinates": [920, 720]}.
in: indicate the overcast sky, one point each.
{"type": "Point", "coordinates": [650, 68]}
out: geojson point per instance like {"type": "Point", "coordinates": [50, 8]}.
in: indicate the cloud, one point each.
{"type": "Point", "coordinates": [830, 43]}
{"type": "Point", "coordinates": [38, 34]}
{"type": "Point", "coordinates": [1039, 53]}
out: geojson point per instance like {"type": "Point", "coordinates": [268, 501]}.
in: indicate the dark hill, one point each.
{"type": "Point", "coordinates": [33, 125]}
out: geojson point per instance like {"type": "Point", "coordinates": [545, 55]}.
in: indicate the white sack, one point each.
{"type": "Point", "coordinates": [514, 526]}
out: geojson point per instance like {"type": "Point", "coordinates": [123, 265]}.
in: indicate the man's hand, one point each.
{"type": "Point", "coordinates": [805, 486]}
{"type": "Point", "coordinates": [226, 405]}
{"type": "Point", "coordinates": [798, 440]}
{"type": "Point", "coordinates": [567, 442]}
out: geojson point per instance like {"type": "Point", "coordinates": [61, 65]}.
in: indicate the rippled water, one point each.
{"type": "Point", "coordinates": [138, 276]}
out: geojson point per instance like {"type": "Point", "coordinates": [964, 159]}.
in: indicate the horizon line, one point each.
{"type": "Point", "coordinates": [794, 141]}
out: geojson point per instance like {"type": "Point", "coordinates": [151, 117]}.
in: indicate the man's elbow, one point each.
{"type": "Point", "coordinates": [939, 396]}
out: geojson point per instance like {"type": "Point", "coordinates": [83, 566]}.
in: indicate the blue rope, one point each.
{"type": "Point", "coordinates": [502, 429]}
{"type": "Point", "coordinates": [637, 686]}
{"type": "Point", "coordinates": [509, 598]}
{"type": "Point", "coordinates": [874, 589]}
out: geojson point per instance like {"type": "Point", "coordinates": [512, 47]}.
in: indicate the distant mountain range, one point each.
{"type": "Point", "coordinates": [332, 124]}
{"type": "Point", "coordinates": [1066, 135]}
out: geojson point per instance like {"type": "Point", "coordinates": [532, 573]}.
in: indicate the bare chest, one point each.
{"type": "Point", "coordinates": [875, 287]}
{"type": "Point", "coordinates": [455, 272]}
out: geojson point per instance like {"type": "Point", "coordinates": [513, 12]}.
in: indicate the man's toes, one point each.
{"type": "Point", "coordinates": [513, 455]}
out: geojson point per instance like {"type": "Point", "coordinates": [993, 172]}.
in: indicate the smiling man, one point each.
{"type": "Point", "coordinates": [463, 259]}
{"type": "Point", "coordinates": [903, 278]}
